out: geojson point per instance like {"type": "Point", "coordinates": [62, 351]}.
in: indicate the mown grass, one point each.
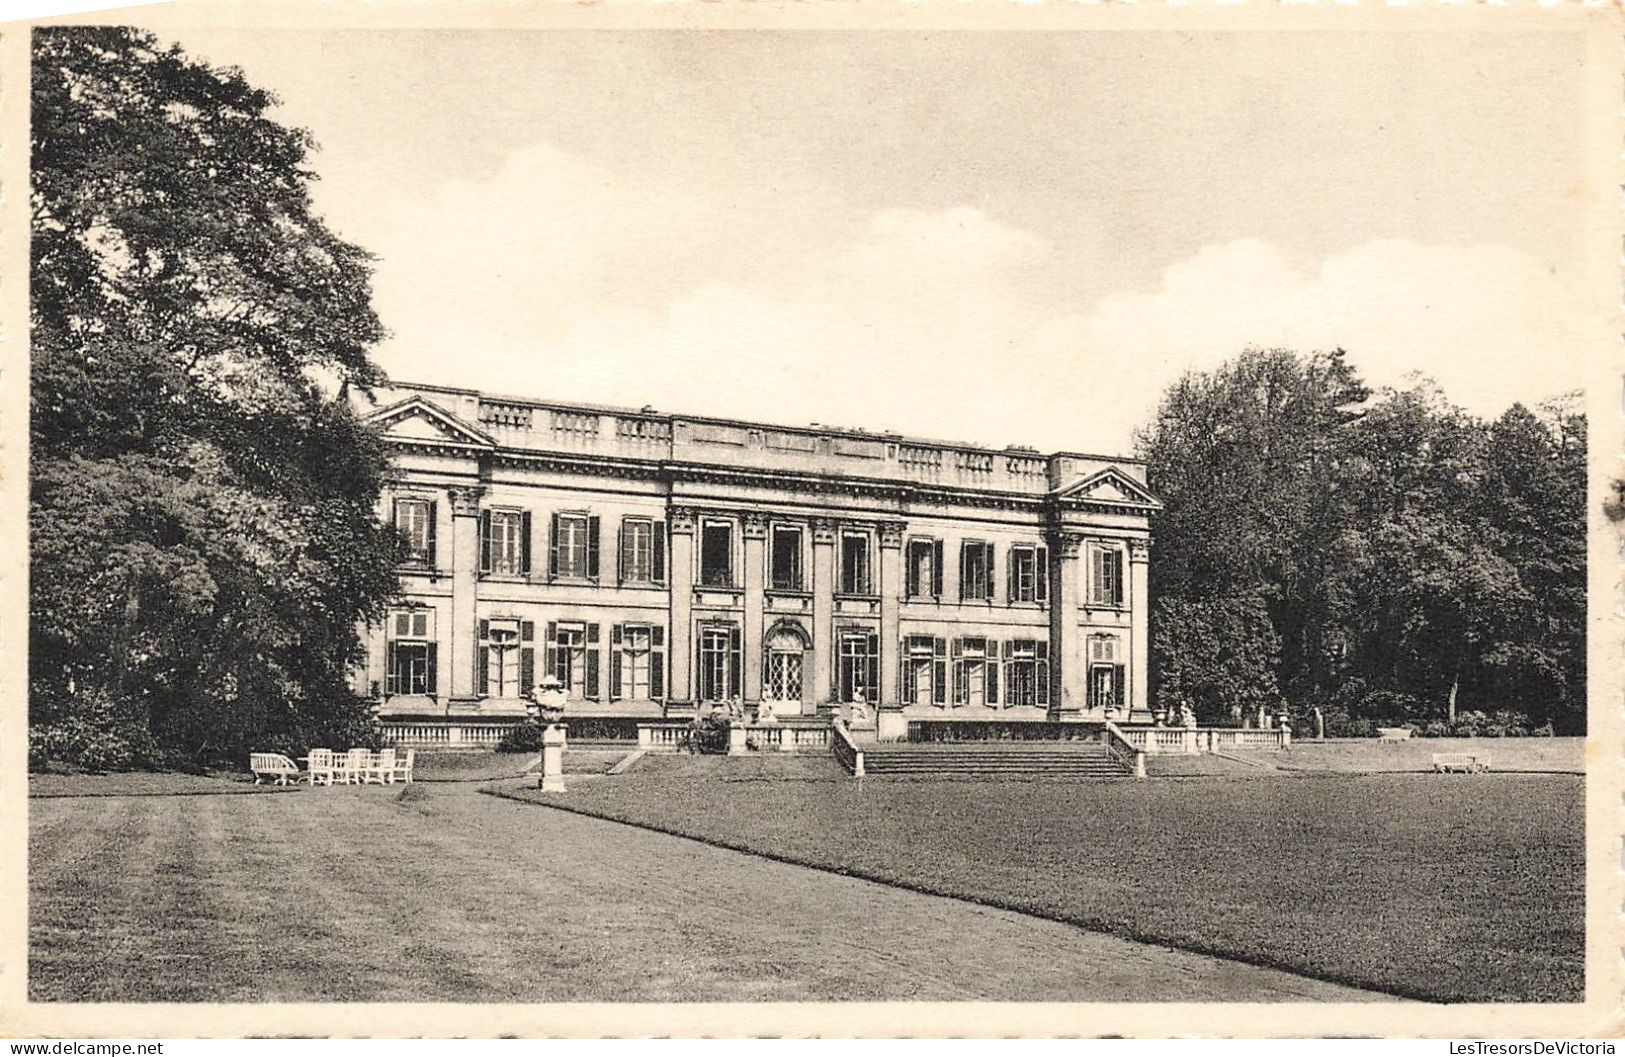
{"type": "Point", "coordinates": [1449, 888]}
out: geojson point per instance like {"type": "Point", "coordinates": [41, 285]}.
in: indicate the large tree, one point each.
{"type": "Point", "coordinates": [1409, 558]}
{"type": "Point", "coordinates": [203, 535]}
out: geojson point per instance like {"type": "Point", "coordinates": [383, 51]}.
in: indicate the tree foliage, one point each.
{"type": "Point", "coordinates": [1410, 558]}
{"type": "Point", "coordinates": [202, 516]}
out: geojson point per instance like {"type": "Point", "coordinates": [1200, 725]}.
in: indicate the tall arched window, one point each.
{"type": "Point", "coordinates": [782, 669]}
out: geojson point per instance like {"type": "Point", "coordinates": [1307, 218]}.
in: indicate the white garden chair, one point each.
{"type": "Point", "coordinates": [272, 765]}
{"type": "Point", "coordinates": [403, 766]}
{"type": "Point", "coordinates": [319, 767]}
{"type": "Point", "coordinates": [381, 767]}
{"type": "Point", "coordinates": [355, 766]}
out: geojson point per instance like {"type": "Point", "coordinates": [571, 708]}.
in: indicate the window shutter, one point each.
{"type": "Point", "coordinates": [1041, 575]}
{"type": "Point", "coordinates": [964, 572]}
{"type": "Point", "coordinates": [527, 631]}
{"type": "Point", "coordinates": [1091, 690]}
{"type": "Point", "coordinates": [911, 577]}
{"type": "Point", "coordinates": [527, 669]}
{"type": "Point", "coordinates": [657, 669]}
{"type": "Point", "coordinates": [1010, 577]}
{"type": "Point", "coordinates": [1117, 577]}
{"type": "Point", "coordinates": [524, 543]}
{"type": "Point", "coordinates": [1041, 673]}
{"type": "Point", "coordinates": [482, 676]}
{"type": "Point", "coordinates": [428, 556]}
{"type": "Point", "coordinates": [550, 651]}
{"type": "Point", "coordinates": [872, 670]}
{"type": "Point", "coordinates": [615, 651]}
{"type": "Point", "coordinates": [905, 672]}
{"type": "Point", "coordinates": [936, 568]}
{"type": "Point", "coordinates": [733, 663]}
{"type": "Point", "coordinates": [592, 547]}
{"type": "Point", "coordinates": [431, 673]}
{"type": "Point", "coordinates": [485, 629]}
{"type": "Point", "coordinates": [552, 554]}
{"type": "Point", "coordinates": [1118, 694]}
{"type": "Point", "coordinates": [987, 553]}
{"type": "Point", "coordinates": [939, 671]}
{"type": "Point", "coordinates": [485, 541]}
{"type": "Point", "coordinates": [623, 561]}
{"type": "Point", "coordinates": [992, 672]}
{"type": "Point", "coordinates": [658, 563]}
{"type": "Point", "coordinates": [392, 675]}
{"type": "Point", "coordinates": [592, 671]}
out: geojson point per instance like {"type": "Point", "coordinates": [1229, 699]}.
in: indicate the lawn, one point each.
{"type": "Point", "coordinates": [1444, 887]}
{"type": "Point", "coordinates": [435, 893]}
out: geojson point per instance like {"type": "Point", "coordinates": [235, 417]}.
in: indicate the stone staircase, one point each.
{"type": "Point", "coordinates": [1034, 759]}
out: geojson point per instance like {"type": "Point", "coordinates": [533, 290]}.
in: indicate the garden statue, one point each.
{"type": "Point", "coordinates": [765, 713]}
{"type": "Point", "coordinates": [550, 699]}
{"type": "Point", "coordinates": [859, 715]}
{"type": "Point", "coordinates": [1320, 726]}
{"type": "Point", "coordinates": [1187, 716]}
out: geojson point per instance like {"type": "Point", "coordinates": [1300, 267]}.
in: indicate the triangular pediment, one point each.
{"type": "Point", "coordinates": [418, 421]}
{"type": "Point", "coordinates": [1112, 486]}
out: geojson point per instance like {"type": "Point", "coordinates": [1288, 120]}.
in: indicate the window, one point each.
{"type": "Point", "coordinates": [1105, 574]}
{"type": "Point", "coordinates": [643, 551]}
{"type": "Point", "coordinates": [572, 657]}
{"type": "Point", "coordinates": [1027, 574]}
{"type": "Point", "coordinates": [855, 563]}
{"type": "Point", "coordinates": [506, 666]}
{"type": "Point", "coordinates": [976, 672]}
{"type": "Point", "coordinates": [719, 662]}
{"type": "Point", "coordinates": [414, 520]}
{"type": "Point", "coordinates": [925, 670]}
{"type": "Point", "coordinates": [781, 675]}
{"type": "Point", "coordinates": [716, 554]}
{"type": "Point", "coordinates": [573, 553]}
{"type": "Point", "coordinates": [975, 571]}
{"type": "Point", "coordinates": [637, 665]}
{"type": "Point", "coordinates": [1026, 672]}
{"type": "Point", "coordinates": [857, 667]}
{"type": "Point", "coordinates": [1106, 676]}
{"type": "Point", "coordinates": [786, 559]}
{"type": "Point", "coordinates": [924, 571]}
{"type": "Point", "coordinates": [409, 661]}
{"type": "Point", "coordinates": [505, 542]}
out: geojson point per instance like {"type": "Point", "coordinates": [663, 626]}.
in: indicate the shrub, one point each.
{"type": "Point", "coordinates": [523, 737]}
{"type": "Point", "coordinates": [95, 734]}
{"type": "Point", "coordinates": [709, 733]}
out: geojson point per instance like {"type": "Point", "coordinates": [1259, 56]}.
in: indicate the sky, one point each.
{"type": "Point", "coordinates": [1003, 238]}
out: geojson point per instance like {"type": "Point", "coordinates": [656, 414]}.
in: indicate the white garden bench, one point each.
{"type": "Point", "coordinates": [1468, 762]}
{"type": "Point", "coordinates": [273, 765]}
{"type": "Point", "coordinates": [1394, 733]}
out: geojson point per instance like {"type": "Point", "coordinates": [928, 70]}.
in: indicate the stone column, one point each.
{"type": "Point", "coordinates": [465, 577]}
{"type": "Point", "coordinates": [1068, 667]}
{"type": "Point", "coordinates": [823, 610]}
{"type": "Point", "coordinates": [680, 577]}
{"type": "Point", "coordinates": [889, 723]}
{"type": "Point", "coordinates": [755, 605]}
{"type": "Point", "coordinates": [1139, 680]}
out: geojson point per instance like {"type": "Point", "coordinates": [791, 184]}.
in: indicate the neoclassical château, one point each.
{"type": "Point", "coordinates": [654, 562]}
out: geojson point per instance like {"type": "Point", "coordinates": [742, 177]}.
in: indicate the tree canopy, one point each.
{"type": "Point", "coordinates": [202, 519]}
{"type": "Point", "coordinates": [1411, 559]}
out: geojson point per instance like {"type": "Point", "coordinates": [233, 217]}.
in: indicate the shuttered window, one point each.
{"type": "Point", "coordinates": [1105, 574]}
{"type": "Point", "coordinates": [411, 654]}
{"type": "Point", "coordinates": [573, 547]}
{"type": "Point", "coordinates": [414, 520]}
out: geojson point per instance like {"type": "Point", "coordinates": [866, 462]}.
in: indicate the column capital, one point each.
{"type": "Point", "coordinates": [681, 519]}
{"type": "Point", "coordinates": [1139, 551]}
{"type": "Point", "coordinates": [1069, 544]}
{"type": "Point", "coordinates": [824, 529]}
{"type": "Point", "coordinates": [465, 499]}
{"type": "Point", "coordinates": [755, 525]}
{"type": "Point", "coordinates": [891, 534]}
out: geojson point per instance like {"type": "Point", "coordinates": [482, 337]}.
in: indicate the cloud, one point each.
{"type": "Point", "coordinates": [1487, 322]}
{"type": "Point", "coordinates": [563, 278]}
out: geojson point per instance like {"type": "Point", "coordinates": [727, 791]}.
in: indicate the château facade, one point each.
{"type": "Point", "coordinates": [655, 563]}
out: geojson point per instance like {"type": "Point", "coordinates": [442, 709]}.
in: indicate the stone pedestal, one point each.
{"type": "Point", "coordinates": [891, 724]}
{"type": "Point", "coordinates": [552, 760]}
{"type": "Point", "coordinates": [736, 739]}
